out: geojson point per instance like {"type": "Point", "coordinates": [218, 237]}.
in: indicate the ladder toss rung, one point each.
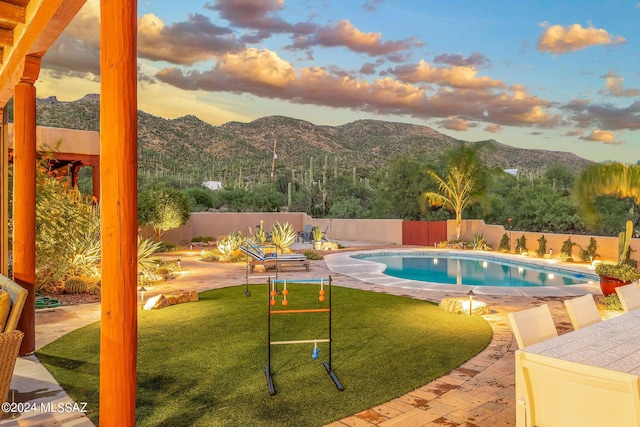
{"type": "Point", "coordinates": [299, 341]}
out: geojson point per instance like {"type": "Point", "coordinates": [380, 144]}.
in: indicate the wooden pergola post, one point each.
{"type": "Point", "coordinates": [24, 217]}
{"type": "Point", "coordinates": [119, 212]}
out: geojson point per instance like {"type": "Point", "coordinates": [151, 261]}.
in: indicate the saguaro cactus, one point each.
{"type": "Point", "coordinates": [624, 243]}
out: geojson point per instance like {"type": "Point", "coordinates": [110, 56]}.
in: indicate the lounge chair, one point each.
{"type": "Point", "coordinates": [271, 260]}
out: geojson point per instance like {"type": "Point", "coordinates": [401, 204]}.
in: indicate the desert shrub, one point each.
{"type": "Point", "coordinates": [521, 244]}
{"type": "Point", "coordinates": [589, 254]}
{"type": "Point", "coordinates": [504, 243]}
{"type": "Point", "coordinates": [542, 246]}
{"type": "Point", "coordinates": [566, 250]}
{"type": "Point", "coordinates": [167, 247]}
{"type": "Point", "coordinates": [203, 239]}
{"type": "Point", "coordinates": [313, 255]}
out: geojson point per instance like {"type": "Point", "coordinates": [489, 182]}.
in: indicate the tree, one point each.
{"type": "Point", "coordinates": [163, 209]}
{"type": "Point", "coordinates": [612, 178]}
{"type": "Point", "coordinates": [463, 184]}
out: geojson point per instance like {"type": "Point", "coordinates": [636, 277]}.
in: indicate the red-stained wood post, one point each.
{"type": "Point", "coordinates": [24, 217]}
{"type": "Point", "coordinates": [119, 212]}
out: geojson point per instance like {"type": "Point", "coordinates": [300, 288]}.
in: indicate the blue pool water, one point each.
{"type": "Point", "coordinates": [474, 270]}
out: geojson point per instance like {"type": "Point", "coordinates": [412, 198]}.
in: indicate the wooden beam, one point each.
{"type": "Point", "coordinates": [6, 37]}
{"type": "Point", "coordinates": [119, 212]}
{"type": "Point", "coordinates": [12, 13]}
{"type": "Point", "coordinates": [46, 21]}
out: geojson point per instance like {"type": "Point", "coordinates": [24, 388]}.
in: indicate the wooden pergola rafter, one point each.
{"type": "Point", "coordinates": [28, 28]}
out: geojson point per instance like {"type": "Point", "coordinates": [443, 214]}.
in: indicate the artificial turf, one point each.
{"type": "Point", "coordinates": [203, 363]}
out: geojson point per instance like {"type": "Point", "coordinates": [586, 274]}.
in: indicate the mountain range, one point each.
{"type": "Point", "coordinates": [173, 145]}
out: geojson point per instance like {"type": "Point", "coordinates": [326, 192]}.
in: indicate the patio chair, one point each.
{"type": "Point", "coordinates": [563, 393]}
{"type": "Point", "coordinates": [10, 338]}
{"type": "Point", "coordinates": [305, 235]}
{"type": "Point", "coordinates": [270, 260]}
{"type": "Point", "coordinates": [532, 325]}
{"type": "Point", "coordinates": [629, 296]}
{"type": "Point", "coordinates": [582, 311]}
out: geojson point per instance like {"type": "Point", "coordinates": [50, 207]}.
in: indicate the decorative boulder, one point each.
{"type": "Point", "coordinates": [157, 302]}
{"type": "Point", "coordinates": [181, 297]}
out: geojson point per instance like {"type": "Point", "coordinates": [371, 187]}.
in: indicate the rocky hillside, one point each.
{"type": "Point", "coordinates": [175, 145]}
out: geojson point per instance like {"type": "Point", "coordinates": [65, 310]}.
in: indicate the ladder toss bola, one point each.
{"type": "Point", "coordinates": [273, 294]}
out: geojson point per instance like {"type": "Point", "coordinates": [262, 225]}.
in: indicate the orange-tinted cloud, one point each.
{"type": "Point", "coordinates": [462, 77]}
{"type": "Point", "coordinates": [455, 123]}
{"type": "Point", "coordinates": [598, 135]}
{"type": "Point", "coordinates": [264, 73]}
{"type": "Point", "coordinates": [615, 87]}
{"type": "Point", "coordinates": [493, 128]}
{"type": "Point", "coordinates": [559, 39]}
{"type": "Point", "coordinates": [344, 33]}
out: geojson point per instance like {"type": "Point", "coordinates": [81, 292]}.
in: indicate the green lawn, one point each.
{"type": "Point", "coordinates": [202, 363]}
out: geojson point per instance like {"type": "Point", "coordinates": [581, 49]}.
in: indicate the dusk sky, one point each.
{"type": "Point", "coordinates": [553, 75]}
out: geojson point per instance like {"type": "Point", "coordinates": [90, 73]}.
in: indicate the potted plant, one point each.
{"type": "Point", "coordinates": [614, 275]}
{"type": "Point", "coordinates": [625, 271]}
{"type": "Point", "coordinates": [317, 234]}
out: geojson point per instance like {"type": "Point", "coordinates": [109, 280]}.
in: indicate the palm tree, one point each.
{"type": "Point", "coordinates": [463, 184]}
{"type": "Point", "coordinates": [611, 178]}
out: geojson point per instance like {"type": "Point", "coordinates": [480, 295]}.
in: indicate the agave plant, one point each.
{"type": "Point", "coordinates": [283, 235]}
{"type": "Point", "coordinates": [227, 245]}
{"type": "Point", "coordinates": [146, 248]}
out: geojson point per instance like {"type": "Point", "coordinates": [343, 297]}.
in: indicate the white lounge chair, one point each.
{"type": "Point", "coordinates": [582, 311]}
{"type": "Point", "coordinates": [532, 325]}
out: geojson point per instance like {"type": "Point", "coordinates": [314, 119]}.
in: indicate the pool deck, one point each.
{"type": "Point", "coordinates": [481, 392]}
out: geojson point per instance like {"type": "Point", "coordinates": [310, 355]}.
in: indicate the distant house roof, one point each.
{"type": "Point", "coordinates": [212, 185]}
{"type": "Point", "coordinates": [513, 172]}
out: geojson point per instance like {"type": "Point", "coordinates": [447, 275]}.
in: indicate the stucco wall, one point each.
{"type": "Point", "coordinates": [607, 246]}
{"type": "Point", "coordinates": [384, 231]}
{"type": "Point", "coordinates": [220, 224]}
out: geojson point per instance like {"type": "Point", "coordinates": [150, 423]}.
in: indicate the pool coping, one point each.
{"type": "Point", "coordinates": [372, 272]}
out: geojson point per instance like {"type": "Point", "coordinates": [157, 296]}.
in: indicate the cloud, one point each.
{"type": "Point", "coordinates": [258, 15]}
{"type": "Point", "coordinates": [368, 68]}
{"type": "Point", "coordinates": [462, 77]}
{"type": "Point", "coordinates": [184, 43]}
{"type": "Point", "coordinates": [263, 73]}
{"type": "Point", "coordinates": [345, 34]}
{"type": "Point", "coordinates": [574, 133]}
{"type": "Point", "coordinates": [558, 39]}
{"type": "Point", "coordinates": [455, 123]}
{"type": "Point", "coordinates": [604, 136]}
{"type": "Point", "coordinates": [476, 60]}
{"type": "Point", "coordinates": [493, 128]}
{"type": "Point", "coordinates": [615, 87]}
{"type": "Point", "coordinates": [604, 116]}
{"type": "Point", "coordinates": [76, 52]}
{"type": "Point", "coordinates": [372, 5]}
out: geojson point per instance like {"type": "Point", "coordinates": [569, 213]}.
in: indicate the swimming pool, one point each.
{"type": "Point", "coordinates": [474, 270]}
